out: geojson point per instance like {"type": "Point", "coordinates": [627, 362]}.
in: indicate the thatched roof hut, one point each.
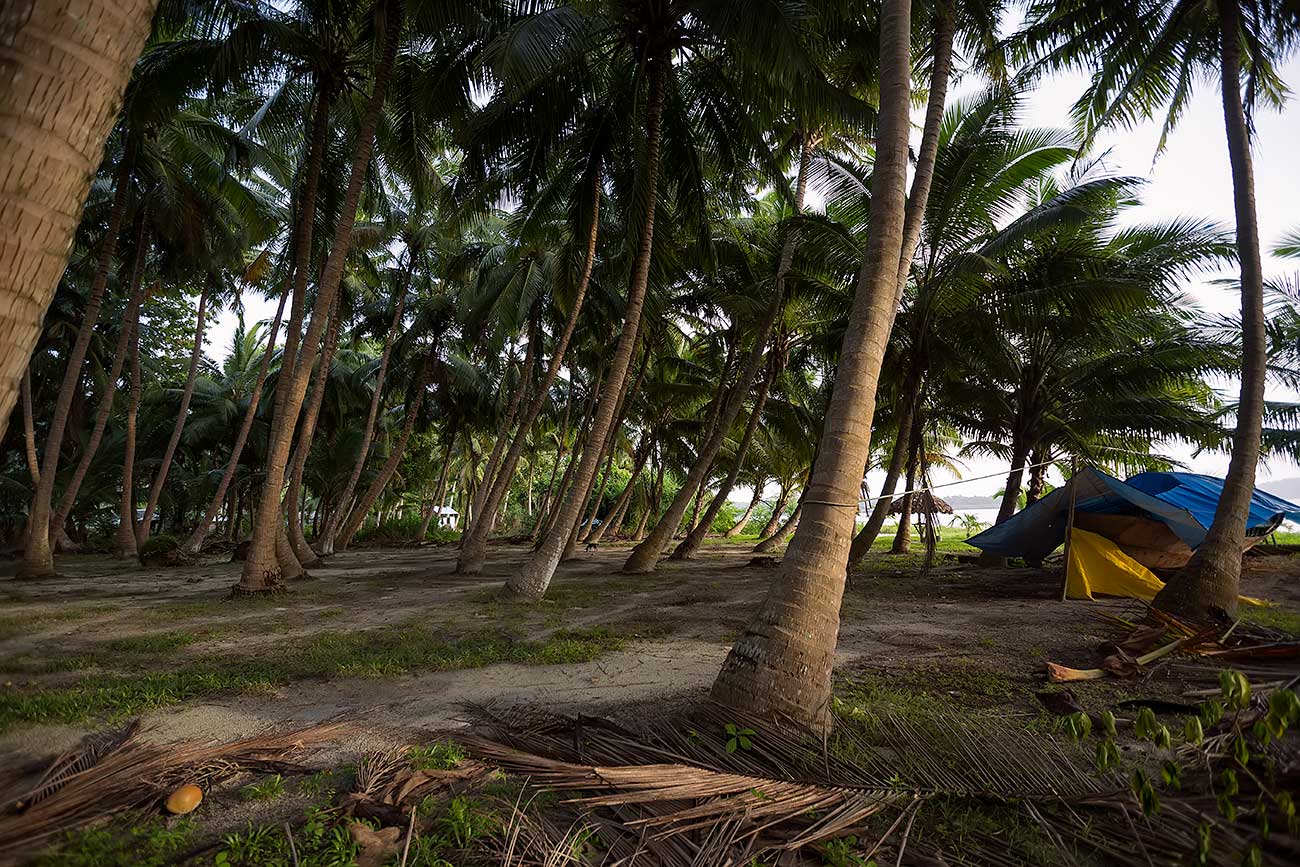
{"type": "Point", "coordinates": [923, 503]}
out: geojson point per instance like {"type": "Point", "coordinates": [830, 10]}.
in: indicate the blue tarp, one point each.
{"type": "Point", "coordinates": [1184, 502]}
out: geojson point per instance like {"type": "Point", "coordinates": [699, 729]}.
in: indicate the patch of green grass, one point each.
{"type": "Point", "coordinates": [319, 784]}
{"type": "Point", "coordinates": [1273, 617]}
{"type": "Point", "coordinates": [441, 756]}
{"type": "Point", "coordinates": [963, 825]}
{"type": "Point", "coordinates": [27, 622]}
{"type": "Point", "coordinates": [373, 653]}
{"type": "Point", "coordinates": [124, 843]}
{"type": "Point", "coordinates": [156, 642]}
{"type": "Point", "coordinates": [269, 789]}
{"type": "Point", "coordinates": [48, 663]}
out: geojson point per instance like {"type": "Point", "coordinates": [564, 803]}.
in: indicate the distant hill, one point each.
{"type": "Point", "coordinates": [959, 503]}
{"type": "Point", "coordinates": [1287, 489]}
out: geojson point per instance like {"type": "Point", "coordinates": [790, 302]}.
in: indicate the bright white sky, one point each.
{"type": "Point", "coordinates": [1190, 178]}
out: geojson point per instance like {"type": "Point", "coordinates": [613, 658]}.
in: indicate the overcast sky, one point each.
{"type": "Point", "coordinates": [1191, 178]}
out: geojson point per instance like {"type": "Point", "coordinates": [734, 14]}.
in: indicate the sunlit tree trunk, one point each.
{"type": "Point", "coordinates": [532, 580]}
{"type": "Point", "coordinates": [187, 394]}
{"type": "Point", "coordinates": [262, 572]}
{"type": "Point", "coordinates": [29, 429]}
{"type": "Point", "coordinates": [474, 548]}
{"type": "Point", "coordinates": [781, 665]}
{"type": "Point", "coordinates": [126, 546]}
{"type": "Point", "coordinates": [1211, 584]}
{"type": "Point", "coordinates": [739, 527]}
{"type": "Point", "coordinates": [1037, 477]}
{"type": "Point", "coordinates": [772, 542]}
{"type": "Point", "coordinates": [620, 505]}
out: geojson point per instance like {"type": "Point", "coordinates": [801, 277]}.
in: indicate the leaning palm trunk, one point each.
{"type": "Point", "coordinates": [160, 480]}
{"type": "Point", "coordinates": [1212, 584]}
{"type": "Point", "coordinates": [646, 555]}
{"type": "Point", "coordinates": [867, 536]}
{"type": "Point", "coordinates": [778, 509]}
{"type": "Point", "coordinates": [531, 581]}
{"type": "Point", "coordinates": [102, 412]}
{"type": "Point", "coordinates": [326, 541]}
{"type": "Point", "coordinates": [29, 429]}
{"type": "Point", "coordinates": [575, 454]}
{"type": "Point", "coordinates": [262, 572]}
{"type": "Point", "coordinates": [690, 546]}
{"type": "Point", "coordinates": [440, 492]}
{"type": "Point", "coordinates": [307, 431]}
{"type": "Point", "coordinates": [621, 504]}
{"type": "Point", "coordinates": [195, 542]}
{"type": "Point", "coordinates": [781, 666]}
{"type": "Point", "coordinates": [394, 458]}
{"type": "Point", "coordinates": [474, 548]}
{"type": "Point", "coordinates": [38, 555]}
{"type": "Point", "coordinates": [739, 527]}
{"type": "Point", "coordinates": [772, 542]}
{"type": "Point", "coordinates": [126, 546]}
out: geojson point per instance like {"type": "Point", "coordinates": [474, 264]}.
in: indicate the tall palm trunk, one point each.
{"type": "Point", "coordinates": [474, 548]}
{"type": "Point", "coordinates": [105, 408]}
{"type": "Point", "coordinates": [1212, 584]}
{"type": "Point", "coordinates": [326, 541]}
{"type": "Point", "coordinates": [29, 429]}
{"type": "Point", "coordinates": [645, 557]}
{"type": "Point", "coordinates": [739, 527]}
{"type": "Point", "coordinates": [126, 546]}
{"type": "Point", "coordinates": [306, 433]}
{"type": "Point", "coordinates": [195, 542]}
{"type": "Point", "coordinates": [867, 536]}
{"type": "Point", "coordinates": [38, 554]}
{"type": "Point", "coordinates": [778, 508]}
{"type": "Point", "coordinates": [780, 533]}
{"type": "Point", "coordinates": [781, 666]}
{"type": "Point", "coordinates": [160, 480]}
{"type": "Point", "coordinates": [394, 458]}
{"type": "Point", "coordinates": [65, 65]}
{"type": "Point", "coordinates": [903, 535]}
{"type": "Point", "coordinates": [620, 505]}
{"type": "Point", "coordinates": [532, 580]}
{"type": "Point", "coordinates": [262, 573]}
{"type": "Point", "coordinates": [580, 440]}
{"type": "Point", "coordinates": [1037, 477]}
{"type": "Point", "coordinates": [690, 546]}
{"type": "Point", "coordinates": [440, 491]}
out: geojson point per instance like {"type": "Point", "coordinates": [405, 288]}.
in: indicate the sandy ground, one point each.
{"type": "Point", "coordinates": [977, 635]}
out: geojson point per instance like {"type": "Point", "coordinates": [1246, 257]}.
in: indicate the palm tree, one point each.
{"type": "Point", "coordinates": [65, 72]}
{"type": "Point", "coordinates": [1148, 56]}
{"type": "Point", "coordinates": [781, 665]}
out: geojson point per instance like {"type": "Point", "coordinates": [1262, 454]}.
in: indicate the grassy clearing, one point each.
{"type": "Point", "coordinates": [27, 622]}
{"type": "Point", "coordinates": [1281, 619]}
{"type": "Point", "coordinates": [386, 652]}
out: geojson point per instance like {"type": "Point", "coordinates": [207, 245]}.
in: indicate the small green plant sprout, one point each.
{"type": "Point", "coordinates": [1192, 731]}
{"type": "Point", "coordinates": [1236, 689]}
{"type": "Point", "coordinates": [466, 821]}
{"type": "Point", "coordinates": [1146, 793]}
{"type": "Point", "coordinates": [1172, 774]}
{"type": "Point", "coordinates": [1077, 726]}
{"type": "Point", "coordinates": [1107, 755]}
{"type": "Point", "coordinates": [1148, 728]}
{"type": "Point", "coordinates": [839, 853]}
{"type": "Point", "coordinates": [267, 790]}
{"type": "Point", "coordinates": [738, 738]}
{"type": "Point", "coordinates": [1107, 720]}
{"type": "Point", "coordinates": [441, 756]}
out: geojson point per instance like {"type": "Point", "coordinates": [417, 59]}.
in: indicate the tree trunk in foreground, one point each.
{"type": "Point", "coordinates": [1211, 584]}
{"type": "Point", "coordinates": [531, 581]}
{"type": "Point", "coordinates": [160, 480]}
{"type": "Point", "coordinates": [781, 666]}
{"type": "Point", "coordinates": [394, 458]}
{"type": "Point", "coordinates": [105, 408]}
{"type": "Point", "coordinates": [262, 572]}
{"type": "Point", "coordinates": [739, 527]}
{"type": "Point", "coordinates": [326, 541]}
{"type": "Point", "coordinates": [65, 65]}
{"type": "Point", "coordinates": [474, 548]}
{"type": "Point", "coordinates": [126, 546]}
{"type": "Point", "coordinates": [195, 542]}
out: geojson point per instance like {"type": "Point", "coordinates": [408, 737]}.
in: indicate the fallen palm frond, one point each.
{"type": "Point", "coordinates": [114, 772]}
{"type": "Point", "coordinates": [671, 794]}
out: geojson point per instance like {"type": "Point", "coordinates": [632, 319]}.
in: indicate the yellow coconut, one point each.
{"type": "Point", "coordinates": [183, 800]}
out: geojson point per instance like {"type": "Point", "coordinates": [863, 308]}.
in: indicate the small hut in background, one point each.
{"type": "Point", "coordinates": [922, 503]}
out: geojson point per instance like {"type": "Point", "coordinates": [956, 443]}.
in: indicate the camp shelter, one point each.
{"type": "Point", "coordinates": [1156, 519]}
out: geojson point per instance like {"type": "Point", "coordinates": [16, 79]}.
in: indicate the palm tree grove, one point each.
{"type": "Point", "coordinates": [753, 433]}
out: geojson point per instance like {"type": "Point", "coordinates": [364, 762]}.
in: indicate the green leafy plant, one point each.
{"type": "Point", "coordinates": [738, 738]}
{"type": "Point", "coordinates": [441, 756]}
{"type": "Point", "coordinates": [269, 789]}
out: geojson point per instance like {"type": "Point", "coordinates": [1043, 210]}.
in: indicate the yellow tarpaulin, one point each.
{"type": "Point", "coordinates": [1097, 565]}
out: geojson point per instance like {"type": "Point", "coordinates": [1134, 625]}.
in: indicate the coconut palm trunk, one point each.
{"type": "Point", "coordinates": [739, 527]}
{"type": "Point", "coordinates": [29, 429]}
{"type": "Point", "coordinates": [533, 579]}
{"type": "Point", "coordinates": [195, 542]}
{"type": "Point", "coordinates": [440, 491]}
{"type": "Point", "coordinates": [772, 542]}
{"type": "Point", "coordinates": [262, 572]}
{"type": "Point", "coordinates": [620, 505]}
{"type": "Point", "coordinates": [160, 479]}
{"type": "Point", "coordinates": [781, 666]}
{"type": "Point", "coordinates": [385, 474]}
{"type": "Point", "coordinates": [645, 556]}
{"type": "Point", "coordinates": [306, 433]}
{"type": "Point", "coordinates": [65, 66]}
{"type": "Point", "coordinates": [326, 540]}
{"type": "Point", "coordinates": [690, 546]}
{"type": "Point", "coordinates": [38, 554]}
{"type": "Point", "coordinates": [125, 544]}
{"type": "Point", "coordinates": [778, 508]}
{"type": "Point", "coordinates": [1211, 584]}
{"type": "Point", "coordinates": [867, 536]}
{"type": "Point", "coordinates": [105, 408]}
{"type": "Point", "coordinates": [903, 535]}
{"type": "Point", "coordinates": [473, 550]}
{"type": "Point", "coordinates": [575, 454]}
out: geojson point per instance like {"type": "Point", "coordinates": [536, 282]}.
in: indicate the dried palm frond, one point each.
{"type": "Point", "coordinates": [115, 772]}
